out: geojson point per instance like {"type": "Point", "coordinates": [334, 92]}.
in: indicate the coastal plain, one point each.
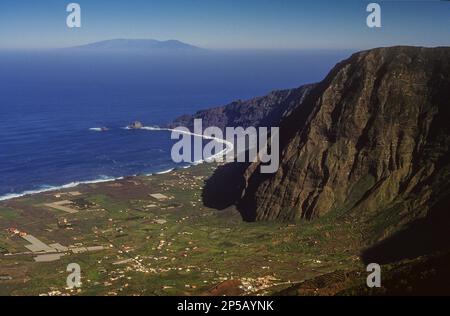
{"type": "Point", "coordinates": [152, 235]}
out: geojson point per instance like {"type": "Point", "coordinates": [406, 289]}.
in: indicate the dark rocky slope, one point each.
{"type": "Point", "coordinates": [372, 138]}
{"type": "Point", "coordinates": [262, 111]}
{"type": "Point", "coordinates": [424, 276]}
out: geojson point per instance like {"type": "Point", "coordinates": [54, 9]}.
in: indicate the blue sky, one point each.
{"type": "Point", "coordinates": [268, 24]}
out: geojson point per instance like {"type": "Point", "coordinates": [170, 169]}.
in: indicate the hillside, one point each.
{"type": "Point", "coordinates": [370, 143]}
{"type": "Point", "coordinates": [261, 111]}
{"type": "Point", "coordinates": [371, 140]}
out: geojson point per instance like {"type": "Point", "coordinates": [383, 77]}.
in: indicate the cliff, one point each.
{"type": "Point", "coordinates": [372, 139]}
{"type": "Point", "coordinates": [261, 111]}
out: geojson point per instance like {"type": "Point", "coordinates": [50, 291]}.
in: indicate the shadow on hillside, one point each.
{"type": "Point", "coordinates": [224, 188]}
{"type": "Point", "coordinates": [422, 237]}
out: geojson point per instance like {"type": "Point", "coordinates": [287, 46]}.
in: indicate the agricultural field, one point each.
{"type": "Point", "coordinates": [152, 235]}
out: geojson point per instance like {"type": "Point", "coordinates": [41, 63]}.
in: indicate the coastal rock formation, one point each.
{"type": "Point", "coordinates": [372, 138]}
{"type": "Point", "coordinates": [136, 125]}
{"type": "Point", "coordinates": [262, 111]}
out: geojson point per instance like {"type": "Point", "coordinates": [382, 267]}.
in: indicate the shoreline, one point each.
{"type": "Point", "coordinates": [229, 146]}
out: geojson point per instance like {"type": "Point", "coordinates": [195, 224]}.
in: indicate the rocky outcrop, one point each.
{"type": "Point", "coordinates": [372, 137]}
{"type": "Point", "coordinates": [262, 111]}
{"type": "Point", "coordinates": [135, 125]}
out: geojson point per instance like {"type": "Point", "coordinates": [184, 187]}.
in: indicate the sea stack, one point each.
{"type": "Point", "coordinates": [135, 125]}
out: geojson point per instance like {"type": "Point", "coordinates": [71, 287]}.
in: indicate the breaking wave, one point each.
{"type": "Point", "coordinates": [46, 188]}
{"type": "Point", "coordinates": [43, 189]}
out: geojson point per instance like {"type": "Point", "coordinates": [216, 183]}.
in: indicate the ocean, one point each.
{"type": "Point", "coordinates": [53, 102]}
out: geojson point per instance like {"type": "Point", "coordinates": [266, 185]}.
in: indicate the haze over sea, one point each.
{"type": "Point", "coordinates": [50, 100]}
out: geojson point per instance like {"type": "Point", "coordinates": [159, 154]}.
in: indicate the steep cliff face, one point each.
{"type": "Point", "coordinates": [373, 134]}
{"type": "Point", "coordinates": [262, 111]}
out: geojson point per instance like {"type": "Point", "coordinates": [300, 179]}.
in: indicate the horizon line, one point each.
{"type": "Point", "coordinates": [79, 45]}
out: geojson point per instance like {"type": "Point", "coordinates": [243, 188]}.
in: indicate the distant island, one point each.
{"type": "Point", "coordinates": [137, 45]}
